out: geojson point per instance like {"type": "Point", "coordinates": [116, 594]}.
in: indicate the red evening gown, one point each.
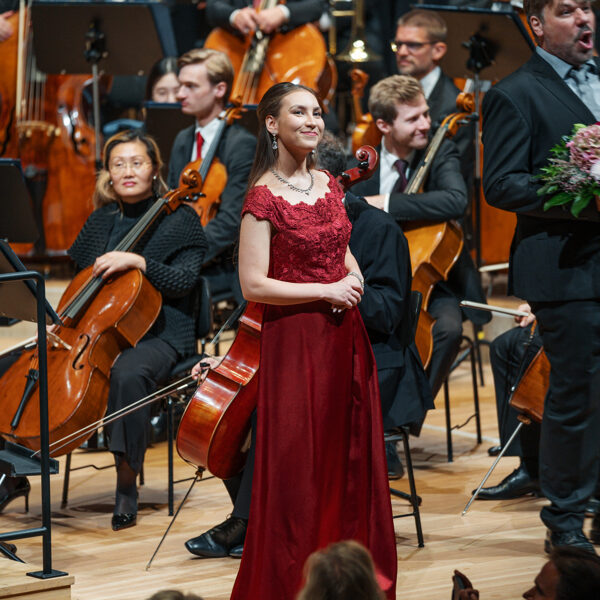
{"type": "Point", "coordinates": [320, 474]}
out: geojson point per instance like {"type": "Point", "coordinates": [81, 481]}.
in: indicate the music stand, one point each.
{"type": "Point", "coordinates": [163, 122]}
{"type": "Point", "coordinates": [100, 35]}
{"type": "Point", "coordinates": [482, 40]}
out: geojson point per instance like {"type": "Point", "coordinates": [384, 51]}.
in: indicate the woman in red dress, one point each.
{"type": "Point", "coordinates": [320, 474]}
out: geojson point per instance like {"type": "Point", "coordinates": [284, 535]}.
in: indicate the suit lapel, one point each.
{"type": "Point", "coordinates": [549, 78]}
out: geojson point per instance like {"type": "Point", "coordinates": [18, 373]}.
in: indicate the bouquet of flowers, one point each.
{"type": "Point", "coordinates": [572, 175]}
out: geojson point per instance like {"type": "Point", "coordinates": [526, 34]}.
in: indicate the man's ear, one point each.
{"type": "Point", "coordinates": [438, 50]}
{"type": "Point", "coordinates": [537, 26]}
{"type": "Point", "coordinates": [383, 126]}
{"type": "Point", "coordinates": [220, 90]}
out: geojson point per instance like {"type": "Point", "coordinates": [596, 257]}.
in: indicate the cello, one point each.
{"type": "Point", "coordinates": [213, 175]}
{"type": "Point", "coordinates": [100, 318]}
{"type": "Point", "coordinates": [260, 60]}
{"type": "Point", "coordinates": [214, 432]}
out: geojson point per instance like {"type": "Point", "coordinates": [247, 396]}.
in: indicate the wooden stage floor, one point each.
{"type": "Point", "coordinates": [499, 545]}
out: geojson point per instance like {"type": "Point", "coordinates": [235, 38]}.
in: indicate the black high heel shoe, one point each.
{"type": "Point", "coordinates": [14, 487]}
{"type": "Point", "coordinates": [123, 521]}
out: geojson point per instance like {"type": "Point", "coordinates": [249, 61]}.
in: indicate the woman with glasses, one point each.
{"type": "Point", "coordinates": [170, 255]}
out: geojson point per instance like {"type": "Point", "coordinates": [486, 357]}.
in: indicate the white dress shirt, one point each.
{"type": "Point", "coordinates": [208, 133]}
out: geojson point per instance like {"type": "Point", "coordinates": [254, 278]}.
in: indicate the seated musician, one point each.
{"type": "Point", "coordinates": [205, 78]}
{"type": "Point", "coordinates": [243, 17]}
{"type": "Point", "coordinates": [401, 113]}
{"type": "Point", "coordinates": [382, 254]}
{"type": "Point", "coordinates": [419, 46]}
{"type": "Point", "coordinates": [170, 255]}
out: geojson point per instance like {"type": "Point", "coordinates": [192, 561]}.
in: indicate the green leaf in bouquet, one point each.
{"type": "Point", "coordinates": [558, 200]}
{"type": "Point", "coordinates": [580, 201]}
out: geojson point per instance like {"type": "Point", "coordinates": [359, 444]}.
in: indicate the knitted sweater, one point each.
{"type": "Point", "coordinates": [174, 248]}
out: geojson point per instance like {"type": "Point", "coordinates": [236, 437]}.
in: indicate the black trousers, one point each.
{"type": "Point", "coordinates": [510, 354]}
{"type": "Point", "coordinates": [447, 333]}
{"type": "Point", "coordinates": [135, 374]}
{"type": "Point", "coordinates": [570, 440]}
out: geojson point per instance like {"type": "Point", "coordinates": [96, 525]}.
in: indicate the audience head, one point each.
{"type": "Point", "coordinates": [420, 42]}
{"type": "Point", "coordinates": [342, 571]}
{"type": "Point", "coordinates": [564, 28]}
{"type": "Point", "coordinates": [285, 113]}
{"type": "Point", "coordinates": [570, 574]}
{"type": "Point", "coordinates": [205, 80]}
{"type": "Point", "coordinates": [162, 84]}
{"type": "Point", "coordinates": [401, 113]}
{"type": "Point", "coordinates": [173, 595]}
{"type": "Point", "coordinates": [130, 169]}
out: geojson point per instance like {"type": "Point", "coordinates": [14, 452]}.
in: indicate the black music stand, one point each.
{"type": "Point", "coordinates": [163, 122]}
{"type": "Point", "coordinates": [493, 43]}
{"type": "Point", "coordinates": [121, 38]}
{"type": "Point", "coordinates": [20, 298]}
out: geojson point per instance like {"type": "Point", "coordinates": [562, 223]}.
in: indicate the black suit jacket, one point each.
{"type": "Point", "coordinates": [554, 257]}
{"type": "Point", "coordinates": [236, 151]}
{"type": "Point", "coordinates": [301, 11]}
{"type": "Point", "coordinates": [442, 102]}
{"type": "Point", "coordinates": [381, 251]}
{"type": "Point", "coordinates": [444, 198]}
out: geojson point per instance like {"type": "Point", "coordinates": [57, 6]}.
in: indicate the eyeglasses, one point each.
{"type": "Point", "coordinates": [410, 46]}
{"type": "Point", "coordinates": [136, 164]}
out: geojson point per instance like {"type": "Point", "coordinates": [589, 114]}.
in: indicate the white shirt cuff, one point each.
{"type": "Point", "coordinates": [232, 15]}
{"type": "Point", "coordinates": [386, 203]}
{"type": "Point", "coordinates": [285, 10]}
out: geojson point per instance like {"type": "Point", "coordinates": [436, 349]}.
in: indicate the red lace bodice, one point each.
{"type": "Point", "coordinates": [309, 240]}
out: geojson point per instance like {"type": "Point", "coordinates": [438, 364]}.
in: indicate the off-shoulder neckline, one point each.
{"type": "Point", "coordinates": [301, 202]}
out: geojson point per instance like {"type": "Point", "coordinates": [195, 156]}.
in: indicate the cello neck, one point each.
{"type": "Point", "coordinates": [73, 310]}
{"type": "Point", "coordinates": [417, 179]}
{"type": "Point", "coordinates": [212, 150]}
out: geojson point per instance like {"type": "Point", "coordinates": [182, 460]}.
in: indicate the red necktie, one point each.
{"type": "Point", "coordinates": [400, 166]}
{"type": "Point", "coordinates": [199, 142]}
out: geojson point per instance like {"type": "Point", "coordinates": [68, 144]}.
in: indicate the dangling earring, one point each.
{"type": "Point", "coordinates": [274, 144]}
{"type": "Point", "coordinates": [110, 182]}
{"type": "Point", "coordinates": [154, 178]}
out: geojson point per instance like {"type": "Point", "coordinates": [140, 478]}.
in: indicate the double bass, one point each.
{"type": "Point", "coordinates": [100, 318]}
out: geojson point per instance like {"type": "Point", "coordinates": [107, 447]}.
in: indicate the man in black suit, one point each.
{"type": "Point", "coordinates": [206, 77]}
{"type": "Point", "coordinates": [420, 45]}
{"type": "Point", "coordinates": [401, 113]}
{"type": "Point", "coordinates": [555, 258]}
{"type": "Point", "coordinates": [241, 16]}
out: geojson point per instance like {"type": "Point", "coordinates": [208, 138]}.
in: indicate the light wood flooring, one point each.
{"type": "Point", "coordinates": [499, 545]}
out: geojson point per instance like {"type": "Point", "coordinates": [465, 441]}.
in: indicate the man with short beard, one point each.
{"type": "Point", "coordinates": [555, 258]}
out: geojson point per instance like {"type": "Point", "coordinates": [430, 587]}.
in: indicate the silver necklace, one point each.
{"type": "Point", "coordinates": [292, 186]}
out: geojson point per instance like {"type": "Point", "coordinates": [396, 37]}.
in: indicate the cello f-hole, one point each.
{"type": "Point", "coordinates": [85, 337]}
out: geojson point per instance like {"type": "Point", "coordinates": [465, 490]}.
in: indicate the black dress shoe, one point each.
{"type": "Point", "coordinates": [220, 540]}
{"type": "Point", "coordinates": [236, 551]}
{"type": "Point", "coordinates": [574, 538]}
{"type": "Point", "coordinates": [515, 485]}
{"type": "Point", "coordinates": [14, 487]}
{"type": "Point", "coordinates": [394, 464]}
{"type": "Point", "coordinates": [123, 521]}
{"type": "Point", "coordinates": [593, 507]}
{"type": "Point", "coordinates": [494, 450]}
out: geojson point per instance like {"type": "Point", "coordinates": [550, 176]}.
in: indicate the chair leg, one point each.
{"type": "Point", "coordinates": [448, 422]}
{"type": "Point", "coordinates": [142, 475]}
{"type": "Point", "coordinates": [170, 454]}
{"type": "Point", "coordinates": [475, 393]}
{"type": "Point", "coordinates": [65, 492]}
{"type": "Point", "coordinates": [414, 499]}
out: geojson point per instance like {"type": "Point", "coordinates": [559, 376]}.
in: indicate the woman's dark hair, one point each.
{"type": "Point", "coordinates": [270, 104]}
{"type": "Point", "coordinates": [162, 67]}
{"type": "Point", "coordinates": [104, 192]}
